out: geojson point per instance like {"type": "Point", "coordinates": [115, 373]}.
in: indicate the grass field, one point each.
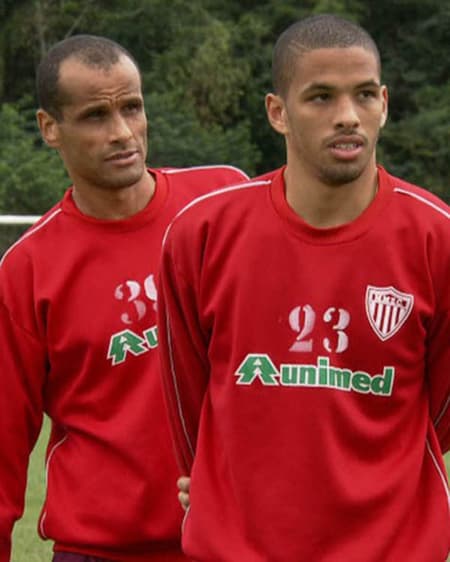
{"type": "Point", "coordinates": [27, 547]}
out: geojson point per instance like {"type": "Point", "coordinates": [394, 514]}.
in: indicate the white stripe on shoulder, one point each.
{"type": "Point", "coordinates": [208, 167]}
{"type": "Point", "coordinates": [423, 200]}
{"type": "Point", "coordinates": [227, 189]}
{"type": "Point", "coordinates": [32, 230]}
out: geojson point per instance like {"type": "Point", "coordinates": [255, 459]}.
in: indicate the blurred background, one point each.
{"type": "Point", "coordinates": [206, 70]}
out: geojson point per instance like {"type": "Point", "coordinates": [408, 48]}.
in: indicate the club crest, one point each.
{"type": "Point", "coordinates": [387, 310]}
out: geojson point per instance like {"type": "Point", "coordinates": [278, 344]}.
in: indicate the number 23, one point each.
{"type": "Point", "coordinates": [302, 319]}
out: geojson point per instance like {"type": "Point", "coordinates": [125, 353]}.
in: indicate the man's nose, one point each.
{"type": "Point", "coordinates": [120, 129]}
{"type": "Point", "coordinates": [347, 116]}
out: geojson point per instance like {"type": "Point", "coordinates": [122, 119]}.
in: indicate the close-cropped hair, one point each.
{"type": "Point", "coordinates": [315, 32]}
{"type": "Point", "coordinates": [91, 50]}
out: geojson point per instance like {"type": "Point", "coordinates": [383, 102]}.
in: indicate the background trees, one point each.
{"type": "Point", "coordinates": [206, 68]}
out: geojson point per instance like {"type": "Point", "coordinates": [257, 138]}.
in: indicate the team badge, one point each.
{"type": "Point", "coordinates": [387, 310]}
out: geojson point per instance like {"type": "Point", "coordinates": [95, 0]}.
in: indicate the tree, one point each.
{"type": "Point", "coordinates": [178, 138]}
{"type": "Point", "coordinates": [206, 69]}
{"type": "Point", "coordinates": [33, 177]}
{"type": "Point", "coordinates": [417, 146]}
{"type": "Point", "coordinates": [413, 35]}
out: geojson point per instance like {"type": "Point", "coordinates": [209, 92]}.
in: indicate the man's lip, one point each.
{"type": "Point", "coordinates": [345, 148]}
{"type": "Point", "coordinates": [345, 140]}
{"type": "Point", "coordinates": [122, 155]}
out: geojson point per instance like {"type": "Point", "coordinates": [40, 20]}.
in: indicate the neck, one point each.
{"type": "Point", "coordinates": [325, 206]}
{"type": "Point", "coordinates": [114, 204]}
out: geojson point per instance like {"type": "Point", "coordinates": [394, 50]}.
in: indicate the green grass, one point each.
{"type": "Point", "coordinates": [27, 547]}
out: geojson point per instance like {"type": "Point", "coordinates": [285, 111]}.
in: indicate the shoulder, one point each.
{"type": "Point", "coordinates": [234, 196]}
{"type": "Point", "coordinates": [219, 209]}
{"type": "Point", "coordinates": [31, 239]}
{"type": "Point", "coordinates": [204, 178]}
{"type": "Point", "coordinates": [422, 221]}
{"type": "Point", "coordinates": [419, 201]}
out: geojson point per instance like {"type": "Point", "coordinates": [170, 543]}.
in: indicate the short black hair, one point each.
{"type": "Point", "coordinates": [315, 32]}
{"type": "Point", "coordinates": [91, 50]}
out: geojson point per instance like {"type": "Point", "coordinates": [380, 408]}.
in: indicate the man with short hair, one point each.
{"type": "Point", "coordinates": [304, 331]}
{"type": "Point", "coordinates": [78, 321]}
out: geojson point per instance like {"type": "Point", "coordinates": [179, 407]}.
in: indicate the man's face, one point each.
{"type": "Point", "coordinates": [102, 137]}
{"type": "Point", "coordinates": [332, 113]}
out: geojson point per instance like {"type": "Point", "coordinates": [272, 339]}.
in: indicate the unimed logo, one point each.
{"type": "Point", "coordinates": [260, 368]}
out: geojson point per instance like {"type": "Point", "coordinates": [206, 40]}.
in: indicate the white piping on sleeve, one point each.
{"type": "Point", "coordinates": [208, 167]}
{"type": "Point", "coordinates": [236, 187]}
{"type": "Point", "coordinates": [47, 466]}
{"type": "Point", "coordinates": [442, 412]}
{"type": "Point", "coordinates": [30, 232]}
{"type": "Point", "coordinates": [175, 386]}
{"type": "Point", "coordinates": [439, 471]}
{"type": "Point", "coordinates": [423, 200]}
{"type": "Point", "coordinates": [169, 339]}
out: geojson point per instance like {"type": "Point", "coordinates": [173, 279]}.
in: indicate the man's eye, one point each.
{"type": "Point", "coordinates": [96, 114]}
{"type": "Point", "coordinates": [366, 94]}
{"type": "Point", "coordinates": [320, 98]}
{"type": "Point", "coordinates": [133, 107]}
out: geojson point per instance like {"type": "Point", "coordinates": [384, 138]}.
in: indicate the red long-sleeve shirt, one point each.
{"type": "Point", "coordinates": [78, 338]}
{"type": "Point", "coordinates": [307, 374]}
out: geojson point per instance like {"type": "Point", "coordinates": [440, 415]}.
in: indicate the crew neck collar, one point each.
{"type": "Point", "coordinates": [333, 235]}
{"type": "Point", "coordinates": [130, 223]}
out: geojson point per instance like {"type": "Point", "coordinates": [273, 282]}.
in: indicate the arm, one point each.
{"type": "Point", "coordinates": [20, 418]}
{"type": "Point", "coordinates": [438, 369]}
{"type": "Point", "coordinates": [182, 344]}
{"type": "Point", "coordinates": [437, 359]}
{"type": "Point", "coordinates": [23, 372]}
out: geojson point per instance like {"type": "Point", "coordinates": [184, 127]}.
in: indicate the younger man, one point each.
{"type": "Point", "coordinates": [304, 325]}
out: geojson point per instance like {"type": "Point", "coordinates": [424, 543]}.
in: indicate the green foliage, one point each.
{"type": "Point", "coordinates": [202, 70]}
{"type": "Point", "coordinates": [417, 147]}
{"type": "Point", "coordinates": [416, 140]}
{"type": "Point", "coordinates": [206, 69]}
{"type": "Point", "coordinates": [33, 177]}
{"type": "Point", "coordinates": [177, 137]}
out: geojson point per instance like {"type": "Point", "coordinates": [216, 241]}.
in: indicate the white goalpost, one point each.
{"type": "Point", "coordinates": [19, 219]}
{"type": "Point", "coordinates": [12, 227]}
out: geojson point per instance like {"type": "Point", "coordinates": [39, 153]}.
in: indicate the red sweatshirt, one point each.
{"type": "Point", "coordinates": [78, 338]}
{"type": "Point", "coordinates": [307, 374]}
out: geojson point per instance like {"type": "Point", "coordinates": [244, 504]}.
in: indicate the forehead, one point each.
{"type": "Point", "coordinates": [80, 83]}
{"type": "Point", "coordinates": [335, 66]}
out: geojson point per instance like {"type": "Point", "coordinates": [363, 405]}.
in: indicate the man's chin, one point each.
{"type": "Point", "coordinates": [123, 179]}
{"type": "Point", "coordinates": [341, 175]}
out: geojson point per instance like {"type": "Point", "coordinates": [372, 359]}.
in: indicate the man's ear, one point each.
{"type": "Point", "coordinates": [276, 113]}
{"type": "Point", "coordinates": [385, 98]}
{"type": "Point", "coordinates": [49, 128]}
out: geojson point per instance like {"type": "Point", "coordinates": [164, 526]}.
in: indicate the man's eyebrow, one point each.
{"type": "Point", "coordinates": [369, 84]}
{"type": "Point", "coordinates": [134, 98]}
{"type": "Point", "coordinates": [93, 107]}
{"type": "Point", "coordinates": [329, 87]}
{"type": "Point", "coordinates": [103, 104]}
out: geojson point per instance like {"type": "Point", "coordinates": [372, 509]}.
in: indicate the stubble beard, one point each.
{"type": "Point", "coordinates": [122, 179]}
{"type": "Point", "coordinates": [340, 174]}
